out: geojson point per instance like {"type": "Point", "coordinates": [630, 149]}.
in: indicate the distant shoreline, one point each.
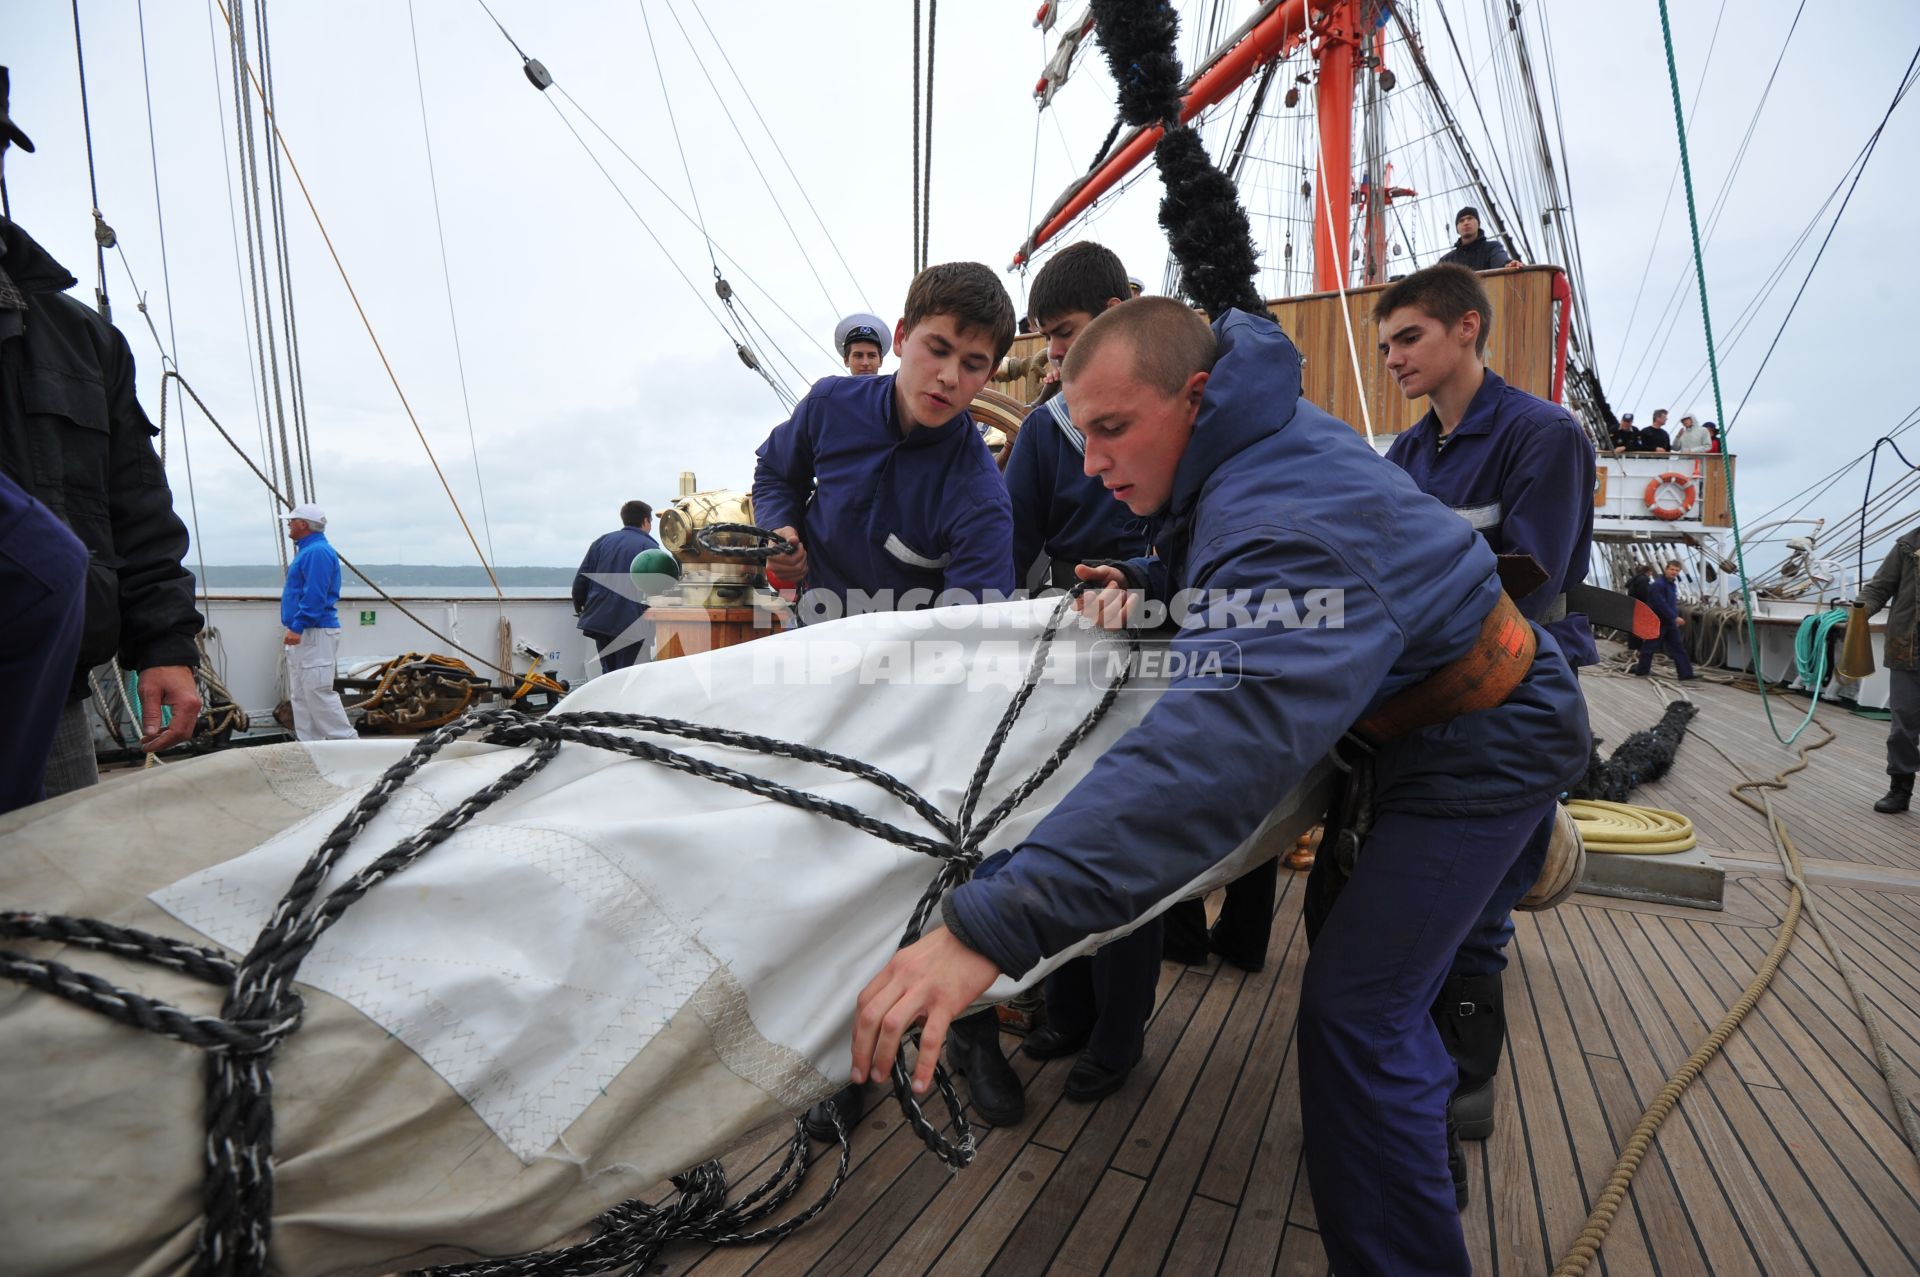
{"type": "Point", "coordinates": [393, 576]}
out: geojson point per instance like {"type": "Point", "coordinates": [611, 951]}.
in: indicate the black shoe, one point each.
{"type": "Point", "coordinates": [974, 1049]}
{"type": "Point", "coordinates": [1090, 1081]}
{"type": "Point", "coordinates": [1471, 1016]}
{"type": "Point", "coordinates": [1239, 956]}
{"type": "Point", "coordinates": [1052, 1043]}
{"type": "Point", "coordinates": [1899, 795]}
{"type": "Point", "coordinates": [819, 1119]}
{"type": "Point", "coordinates": [1457, 1167]}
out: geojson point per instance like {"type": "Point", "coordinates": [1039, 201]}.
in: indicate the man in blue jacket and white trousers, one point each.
{"type": "Point", "coordinates": [307, 610]}
{"type": "Point", "coordinates": [1257, 491]}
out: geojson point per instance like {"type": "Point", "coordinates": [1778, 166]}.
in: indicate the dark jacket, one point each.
{"type": "Point", "coordinates": [1648, 438]}
{"type": "Point", "coordinates": [1271, 494]}
{"type": "Point", "coordinates": [1058, 507]}
{"type": "Point", "coordinates": [1519, 471]}
{"type": "Point", "coordinates": [1480, 253]}
{"type": "Point", "coordinates": [72, 434]}
{"type": "Point", "coordinates": [1637, 585]}
{"type": "Point", "coordinates": [1663, 596]}
{"type": "Point", "coordinates": [606, 610]}
{"type": "Point", "coordinates": [1898, 580]}
{"type": "Point", "coordinates": [880, 511]}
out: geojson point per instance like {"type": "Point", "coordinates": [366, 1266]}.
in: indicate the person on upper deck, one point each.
{"type": "Point", "coordinates": [1625, 438]}
{"type": "Point", "coordinates": [73, 437]}
{"type": "Point", "coordinates": [1255, 490]}
{"type": "Point", "coordinates": [1520, 471]}
{"type": "Point", "coordinates": [1898, 582]}
{"type": "Point", "coordinates": [882, 484]}
{"type": "Point", "coordinates": [863, 341]}
{"type": "Point", "coordinates": [1693, 436]}
{"type": "Point", "coordinates": [1473, 249]}
{"type": "Point", "coordinates": [1653, 440]}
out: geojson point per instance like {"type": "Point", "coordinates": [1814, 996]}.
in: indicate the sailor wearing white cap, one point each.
{"type": "Point", "coordinates": [1135, 286]}
{"type": "Point", "coordinates": [863, 341]}
{"type": "Point", "coordinates": [307, 610]}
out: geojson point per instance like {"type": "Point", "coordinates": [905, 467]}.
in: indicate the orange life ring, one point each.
{"type": "Point", "coordinates": [1670, 480]}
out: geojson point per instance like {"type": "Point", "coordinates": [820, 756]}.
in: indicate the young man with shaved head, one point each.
{"type": "Point", "coordinates": [1253, 490]}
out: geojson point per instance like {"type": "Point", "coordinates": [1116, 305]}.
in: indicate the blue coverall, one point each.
{"type": "Point", "coordinates": [43, 570]}
{"type": "Point", "coordinates": [607, 614]}
{"type": "Point", "coordinates": [1272, 493]}
{"type": "Point", "coordinates": [1664, 599]}
{"type": "Point", "coordinates": [879, 512]}
{"type": "Point", "coordinates": [1067, 514]}
{"type": "Point", "coordinates": [1520, 472]}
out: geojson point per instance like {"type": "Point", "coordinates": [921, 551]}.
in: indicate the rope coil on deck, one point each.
{"type": "Point", "coordinates": [262, 1008]}
{"type": "Point", "coordinates": [1629, 829]}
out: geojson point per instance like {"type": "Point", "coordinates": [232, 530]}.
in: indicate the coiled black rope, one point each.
{"type": "Point", "coordinates": [262, 1007]}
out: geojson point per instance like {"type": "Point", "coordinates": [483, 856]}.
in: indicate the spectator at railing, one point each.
{"type": "Point", "coordinates": [1693, 436]}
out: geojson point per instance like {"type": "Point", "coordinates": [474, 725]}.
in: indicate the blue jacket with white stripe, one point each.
{"type": "Point", "coordinates": [1520, 471]}
{"type": "Point", "coordinates": [878, 510]}
{"type": "Point", "coordinates": [1058, 508]}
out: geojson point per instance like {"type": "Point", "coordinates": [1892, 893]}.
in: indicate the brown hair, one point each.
{"type": "Point", "coordinates": [969, 292]}
{"type": "Point", "coordinates": [1084, 277]}
{"type": "Point", "coordinates": [1169, 341]}
{"type": "Point", "coordinates": [1444, 292]}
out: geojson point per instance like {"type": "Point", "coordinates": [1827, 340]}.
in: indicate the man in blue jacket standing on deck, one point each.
{"type": "Point", "coordinates": [1663, 596]}
{"type": "Point", "coordinates": [307, 610]}
{"type": "Point", "coordinates": [1520, 471]}
{"type": "Point", "coordinates": [1470, 717]}
{"type": "Point", "coordinates": [603, 594]}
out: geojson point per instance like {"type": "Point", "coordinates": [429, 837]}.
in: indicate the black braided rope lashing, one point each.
{"type": "Point", "coordinates": [262, 1006]}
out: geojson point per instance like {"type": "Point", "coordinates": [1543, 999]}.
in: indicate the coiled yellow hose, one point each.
{"type": "Point", "coordinates": [1625, 829]}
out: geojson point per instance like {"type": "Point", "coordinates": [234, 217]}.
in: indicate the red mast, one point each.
{"type": "Point", "coordinates": [1333, 97]}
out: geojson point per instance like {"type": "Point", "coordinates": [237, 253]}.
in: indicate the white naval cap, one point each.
{"type": "Point", "coordinates": [860, 327]}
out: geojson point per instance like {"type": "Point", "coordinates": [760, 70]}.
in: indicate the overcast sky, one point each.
{"type": "Point", "coordinates": [596, 374]}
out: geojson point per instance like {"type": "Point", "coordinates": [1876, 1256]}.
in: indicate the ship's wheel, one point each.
{"type": "Point", "coordinates": [1001, 414]}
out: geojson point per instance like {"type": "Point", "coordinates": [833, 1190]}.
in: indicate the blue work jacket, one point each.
{"type": "Point", "coordinates": [1663, 596]}
{"type": "Point", "coordinates": [881, 511]}
{"type": "Point", "coordinates": [1058, 508]}
{"type": "Point", "coordinates": [1273, 493]}
{"type": "Point", "coordinates": [1520, 472]}
{"type": "Point", "coordinates": [604, 611]}
{"type": "Point", "coordinates": [313, 586]}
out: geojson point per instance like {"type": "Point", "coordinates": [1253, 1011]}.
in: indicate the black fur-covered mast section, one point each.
{"type": "Point", "coordinates": [1206, 227]}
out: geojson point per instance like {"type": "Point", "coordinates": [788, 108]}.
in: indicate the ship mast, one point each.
{"type": "Point", "coordinates": [1343, 37]}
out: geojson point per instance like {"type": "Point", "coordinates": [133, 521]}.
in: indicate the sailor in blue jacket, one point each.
{"type": "Point", "coordinates": [307, 612]}
{"type": "Point", "coordinates": [1257, 491]}
{"type": "Point", "coordinates": [1519, 471]}
{"type": "Point", "coordinates": [604, 598]}
{"type": "Point", "coordinates": [1663, 596]}
{"type": "Point", "coordinates": [883, 482]}
{"type": "Point", "coordinates": [893, 502]}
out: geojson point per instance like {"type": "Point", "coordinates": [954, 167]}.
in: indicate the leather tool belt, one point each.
{"type": "Point", "coordinates": [1480, 679]}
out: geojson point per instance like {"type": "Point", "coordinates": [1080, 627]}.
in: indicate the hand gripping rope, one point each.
{"type": "Point", "coordinates": [262, 1007]}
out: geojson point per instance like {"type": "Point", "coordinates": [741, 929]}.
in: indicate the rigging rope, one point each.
{"type": "Point", "coordinates": [446, 275]}
{"type": "Point", "coordinates": [926, 169]}
{"type": "Point", "coordinates": [367, 323]}
{"type": "Point", "coordinates": [103, 236]}
{"type": "Point", "coordinates": [915, 246]}
{"type": "Point", "coordinates": [262, 1008]}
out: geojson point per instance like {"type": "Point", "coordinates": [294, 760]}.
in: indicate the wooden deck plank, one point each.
{"type": "Point", "coordinates": [1200, 1244]}
{"type": "Point", "coordinates": [1085, 1250]}
{"type": "Point", "coordinates": [1783, 1158]}
{"type": "Point", "coordinates": [974, 1247]}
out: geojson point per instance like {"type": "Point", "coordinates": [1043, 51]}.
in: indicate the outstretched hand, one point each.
{"type": "Point", "coordinates": [930, 982]}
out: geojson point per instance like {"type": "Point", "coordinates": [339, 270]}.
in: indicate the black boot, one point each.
{"type": "Point", "coordinates": [1899, 795]}
{"type": "Point", "coordinates": [1473, 1024]}
{"type": "Point", "coordinates": [843, 1103]}
{"type": "Point", "coordinates": [974, 1049]}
